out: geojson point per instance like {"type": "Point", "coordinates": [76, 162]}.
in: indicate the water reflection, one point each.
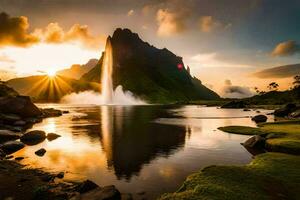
{"type": "Point", "coordinates": [139, 148]}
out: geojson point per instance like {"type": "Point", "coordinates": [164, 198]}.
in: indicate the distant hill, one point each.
{"type": "Point", "coordinates": [76, 71]}
{"type": "Point", "coordinates": [45, 89]}
{"type": "Point", "coordinates": [279, 72]}
{"type": "Point", "coordinates": [150, 73]}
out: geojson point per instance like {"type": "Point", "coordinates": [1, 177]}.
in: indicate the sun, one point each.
{"type": "Point", "coordinates": [51, 73]}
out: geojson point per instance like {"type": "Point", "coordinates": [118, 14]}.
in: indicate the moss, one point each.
{"type": "Point", "coordinates": [281, 136]}
{"type": "Point", "coordinates": [262, 179]}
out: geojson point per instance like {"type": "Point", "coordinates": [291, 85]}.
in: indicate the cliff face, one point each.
{"type": "Point", "coordinates": [156, 75]}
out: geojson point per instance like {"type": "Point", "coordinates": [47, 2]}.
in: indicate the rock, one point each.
{"type": "Point", "coordinates": [9, 118]}
{"type": "Point", "coordinates": [259, 118]}
{"type": "Point", "coordinates": [19, 158]}
{"type": "Point", "coordinates": [60, 175]}
{"type": "Point", "coordinates": [20, 105]}
{"type": "Point", "coordinates": [9, 157]}
{"type": "Point", "coordinates": [6, 135]}
{"type": "Point", "coordinates": [126, 197]}
{"type": "Point", "coordinates": [235, 104]}
{"type": "Point", "coordinates": [86, 186]}
{"type": "Point", "coordinates": [246, 109]}
{"type": "Point", "coordinates": [51, 112]}
{"type": "Point", "coordinates": [255, 142]}
{"type": "Point", "coordinates": [2, 154]}
{"type": "Point", "coordinates": [257, 111]}
{"type": "Point", "coordinates": [20, 123]}
{"type": "Point", "coordinates": [52, 136]}
{"type": "Point", "coordinates": [105, 193]}
{"type": "Point", "coordinates": [65, 112]}
{"type": "Point", "coordinates": [295, 114]}
{"type": "Point", "coordinates": [285, 111]}
{"type": "Point", "coordinates": [33, 137]}
{"type": "Point", "coordinates": [47, 178]}
{"type": "Point", "coordinates": [12, 146]}
{"type": "Point", "coordinates": [41, 152]}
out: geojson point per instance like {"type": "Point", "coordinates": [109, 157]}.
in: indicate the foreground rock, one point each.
{"type": "Point", "coordinates": [20, 105]}
{"type": "Point", "coordinates": [33, 137]}
{"type": "Point", "coordinates": [235, 104]}
{"type": "Point", "coordinates": [12, 146]}
{"type": "Point", "coordinates": [52, 136]}
{"type": "Point", "coordinates": [104, 193]}
{"type": "Point", "coordinates": [259, 118]}
{"type": "Point", "coordinates": [256, 141]}
{"type": "Point", "coordinates": [6, 135]}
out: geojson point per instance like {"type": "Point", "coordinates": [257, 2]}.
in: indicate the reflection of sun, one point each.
{"type": "Point", "coordinates": [51, 72]}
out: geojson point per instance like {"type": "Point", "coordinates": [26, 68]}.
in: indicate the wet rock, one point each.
{"type": "Point", "coordinates": [20, 123]}
{"type": "Point", "coordinates": [20, 105]}
{"type": "Point", "coordinates": [12, 146]}
{"type": "Point", "coordinates": [9, 157]}
{"type": "Point", "coordinates": [33, 137]}
{"type": "Point", "coordinates": [256, 141]}
{"type": "Point", "coordinates": [6, 135]}
{"type": "Point", "coordinates": [246, 109]}
{"type": "Point", "coordinates": [10, 118]}
{"type": "Point", "coordinates": [41, 152]}
{"type": "Point", "coordinates": [105, 193]}
{"type": "Point", "coordinates": [285, 111]}
{"type": "Point", "coordinates": [295, 114]}
{"type": "Point", "coordinates": [235, 104]}
{"type": "Point", "coordinates": [257, 111]}
{"type": "Point", "coordinates": [19, 158]}
{"type": "Point", "coordinates": [32, 120]}
{"type": "Point", "coordinates": [259, 118]}
{"type": "Point", "coordinates": [65, 112]}
{"type": "Point", "coordinates": [52, 136]}
{"type": "Point", "coordinates": [51, 112]}
{"type": "Point", "coordinates": [60, 175]}
{"type": "Point", "coordinates": [2, 154]}
{"type": "Point", "coordinates": [47, 178]}
{"type": "Point", "coordinates": [86, 186]}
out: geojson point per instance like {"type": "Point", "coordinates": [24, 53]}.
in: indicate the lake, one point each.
{"type": "Point", "coordinates": [143, 150]}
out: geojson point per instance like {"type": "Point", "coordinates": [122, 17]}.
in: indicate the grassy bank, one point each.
{"type": "Point", "coordinates": [270, 175]}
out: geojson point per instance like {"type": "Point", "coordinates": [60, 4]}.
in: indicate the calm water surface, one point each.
{"type": "Point", "coordinates": [143, 150]}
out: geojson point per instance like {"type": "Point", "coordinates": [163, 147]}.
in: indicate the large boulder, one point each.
{"type": "Point", "coordinates": [256, 141]}
{"type": "Point", "coordinates": [259, 118]}
{"type": "Point", "coordinates": [285, 111]}
{"type": "Point", "coordinates": [104, 193]}
{"type": "Point", "coordinates": [20, 105]}
{"type": "Point", "coordinates": [33, 137]}
{"type": "Point", "coordinates": [86, 186]}
{"type": "Point", "coordinates": [235, 104]}
{"type": "Point", "coordinates": [12, 146]}
{"type": "Point", "coordinates": [6, 135]}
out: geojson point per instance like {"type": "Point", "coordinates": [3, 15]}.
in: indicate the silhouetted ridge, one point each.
{"type": "Point", "coordinates": [149, 72]}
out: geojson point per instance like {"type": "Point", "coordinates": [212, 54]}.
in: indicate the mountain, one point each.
{"type": "Point", "coordinates": [279, 72]}
{"type": "Point", "coordinates": [46, 89]}
{"type": "Point", "coordinates": [76, 71]}
{"type": "Point", "coordinates": [156, 75]}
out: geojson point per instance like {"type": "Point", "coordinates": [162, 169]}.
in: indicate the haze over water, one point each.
{"type": "Point", "coordinates": [140, 149]}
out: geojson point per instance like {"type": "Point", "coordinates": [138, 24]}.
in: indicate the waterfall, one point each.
{"type": "Point", "coordinates": [107, 72]}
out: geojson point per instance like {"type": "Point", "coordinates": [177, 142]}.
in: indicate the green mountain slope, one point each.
{"type": "Point", "coordinates": [150, 73]}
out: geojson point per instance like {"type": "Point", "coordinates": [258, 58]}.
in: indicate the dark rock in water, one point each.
{"type": "Point", "coordinates": [65, 112]}
{"type": "Point", "coordinates": [41, 152]}
{"type": "Point", "coordinates": [33, 137]}
{"type": "Point", "coordinates": [246, 109]}
{"type": "Point", "coordinates": [285, 111]}
{"type": "Point", "coordinates": [9, 118]}
{"type": "Point", "coordinates": [104, 193]}
{"type": "Point", "coordinates": [259, 118]}
{"type": "Point", "coordinates": [9, 157]}
{"type": "Point", "coordinates": [47, 178]}
{"type": "Point", "coordinates": [6, 135]}
{"type": "Point", "coordinates": [12, 146]}
{"type": "Point", "coordinates": [86, 186]}
{"type": "Point", "coordinates": [52, 136]}
{"type": "Point", "coordinates": [295, 114]}
{"type": "Point", "coordinates": [51, 112]}
{"type": "Point", "coordinates": [19, 158]}
{"type": "Point", "coordinates": [20, 105]}
{"type": "Point", "coordinates": [256, 141]}
{"type": "Point", "coordinates": [60, 175]}
{"type": "Point", "coordinates": [257, 111]}
{"type": "Point", "coordinates": [2, 154]}
{"type": "Point", "coordinates": [20, 123]}
{"type": "Point", "coordinates": [235, 104]}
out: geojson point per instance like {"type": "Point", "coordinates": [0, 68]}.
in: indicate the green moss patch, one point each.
{"type": "Point", "coordinates": [268, 176]}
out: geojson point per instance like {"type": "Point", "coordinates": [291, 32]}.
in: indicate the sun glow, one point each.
{"type": "Point", "coordinates": [51, 73]}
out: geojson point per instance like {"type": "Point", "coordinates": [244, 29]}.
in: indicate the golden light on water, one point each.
{"type": "Point", "coordinates": [51, 73]}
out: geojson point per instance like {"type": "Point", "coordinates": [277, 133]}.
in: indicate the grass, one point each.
{"type": "Point", "coordinates": [265, 177]}
{"type": "Point", "coordinates": [281, 136]}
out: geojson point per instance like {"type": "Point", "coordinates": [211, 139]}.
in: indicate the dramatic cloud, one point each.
{"type": "Point", "coordinates": [232, 91]}
{"type": "Point", "coordinates": [207, 24]}
{"type": "Point", "coordinates": [286, 48]}
{"type": "Point", "coordinates": [170, 22]}
{"type": "Point", "coordinates": [14, 31]}
{"type": "Point", "coordinates": [279, 72]}
{"type": "Point", "coordinates": [53, 33]}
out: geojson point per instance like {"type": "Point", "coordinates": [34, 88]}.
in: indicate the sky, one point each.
{"type": "Point", "coordinates": [224, 42]}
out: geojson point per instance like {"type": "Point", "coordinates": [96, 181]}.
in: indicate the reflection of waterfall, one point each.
{"type": "Point", "coordinates": [106, 79]}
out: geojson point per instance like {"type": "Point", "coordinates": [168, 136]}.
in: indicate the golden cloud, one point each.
{"type": "Point", "coordinates": [14, 31]}
{"type": "Point", "coordinates": [208, 24]}
{"type": "Point", "coordinates": [286, 48]}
